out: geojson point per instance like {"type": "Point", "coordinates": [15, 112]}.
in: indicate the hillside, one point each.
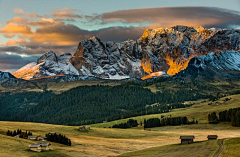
{"type": "Point", "coordinates": [198, 111]}
{"type": "Point", "coordinates": [120, 141]}
{"type": "Point", "coordinates": [94, 104]}
{"type": "Point", "coordinates": [113, 100]}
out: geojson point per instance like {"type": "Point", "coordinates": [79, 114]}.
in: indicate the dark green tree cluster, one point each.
{"type": "Point", "coordinates": [94, 104]}
{"type": "Point", "coordinates": [18, 132]}
{"type": "Point", "coordinates": [13, 104]}
{"type": "Point", "coordinates": [59, 139]}
{"type": "Point", "coordinates": [129, 124]}
{"type": "Point", "coordinates": [231, 115]}
{"type": "Point", "coordinates": [212, 118]}
{"type": "Point", "coordinates": [169, 121]}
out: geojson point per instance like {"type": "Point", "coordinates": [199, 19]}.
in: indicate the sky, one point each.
{"type": "Point", "coordinates": [29, 28]}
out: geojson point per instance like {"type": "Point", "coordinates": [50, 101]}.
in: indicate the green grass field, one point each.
{"type": "Point", "coordinates": [198, 111]}
{"type": "Point", "coordinates": [100, 141]}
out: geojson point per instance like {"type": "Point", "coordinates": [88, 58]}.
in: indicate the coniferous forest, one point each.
{"type": "Point", "coordinates": [231, 115]}
{"type": "Point", "coordinates": [12, 104]}
{"type": "Point", "coordinates": [94, 104]}
{"type": "Point", "coordinates": [59, 138]}
{"type": "Point", "coordinates": [129, 124]}
{"type": "Point", "coordinates": [169, 121]}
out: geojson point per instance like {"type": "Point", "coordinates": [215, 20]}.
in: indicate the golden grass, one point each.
{"type": "Point", "coordinates": [231, 148]}
{"type": "Point", "coordinates": [200, 149]}
{"type": "Point", "coordinates": [100, 141]}
{"type": "Point", "coordinates": [108, 141]}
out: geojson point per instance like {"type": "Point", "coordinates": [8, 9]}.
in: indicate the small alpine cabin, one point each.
{"type": "Point", "coordinates": [30, 137]}
{"type": "Point", "coordinates": [41, 138]}
{"type": "Point", "coordinates": [38, 147]}
{"type": "Point", "coordinates": [187, 139]}
{"type": "Point", "coordinates": [35, 147]}
{"type": "Point", "coordinates": [212, 137]}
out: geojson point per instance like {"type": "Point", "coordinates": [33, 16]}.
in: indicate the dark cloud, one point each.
{"type": "Point", "coordinates": [119, 34]}
{"type": "Point", "coordinates": [169, 16]}
{"type": "Point", "coordinates": [11, 63]}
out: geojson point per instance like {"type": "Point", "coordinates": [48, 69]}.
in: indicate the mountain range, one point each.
{"type": "Point", "coordinates": [158, 52]}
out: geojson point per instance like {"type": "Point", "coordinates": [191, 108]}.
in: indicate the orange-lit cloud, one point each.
{"type": "Point", "coordinates": [18, 19]}
{"type": "Point", "coordinates": [12, 29]}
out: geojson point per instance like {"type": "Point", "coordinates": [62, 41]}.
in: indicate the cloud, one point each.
{"type": "Point", "coordinates": [119, 34]}
{"type": "Point", "coordinates": [65, 13]}
{"type": "Point", "coordinates": [169, 16]}
{"type": "Point", "coordinates": [11, 29]}
{"type": "Point", "coordinates": [11, 63]}
{"type": "Point", "coordinates": [20, 11]}
{"type": "Point", "coordinates": [18, 19]}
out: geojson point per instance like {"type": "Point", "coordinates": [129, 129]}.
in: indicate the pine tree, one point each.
{"type": "Point", "coordinates": [69, 142]}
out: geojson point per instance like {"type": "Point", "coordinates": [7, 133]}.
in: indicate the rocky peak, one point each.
{"type": "Point", "coordinates": [5, 75]}
{"type": "Point", "coordinates": [50, 55]}
{"type": "Point", "coordinates": [223, 64]}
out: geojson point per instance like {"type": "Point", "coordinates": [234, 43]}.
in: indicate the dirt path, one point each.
{"type": "Point", "coordinates": [220, 149]}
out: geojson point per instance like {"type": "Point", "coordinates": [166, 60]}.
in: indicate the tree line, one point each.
{"type": "Point", "coordinates": [169, 121]}
{"type": "Point", "coordinates": [59, 139]}
{"type": "Point", "coordinates": [95, 104]}
{"type": "Point", "coordinates": [231, 115]}
{"type": "Point", "coordinates": [18, 132]}
{"type": "Point", "coordinates": [13, 104]}
{"type": "Point", "coordinates": [129, 124]}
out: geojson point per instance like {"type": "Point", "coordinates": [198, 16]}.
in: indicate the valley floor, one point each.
{"type": "Point", "coordinates": [104, 141]}
{"type": "Point", "coordinates": [109, 142]}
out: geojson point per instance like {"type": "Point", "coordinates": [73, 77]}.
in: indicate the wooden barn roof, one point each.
{"type": "Point", "coordinates": [212, 136]}
{"type": "Point", "coordinates": [187, 137]}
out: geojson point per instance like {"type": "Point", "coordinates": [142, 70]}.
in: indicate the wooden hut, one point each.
{"type": "Point", "coordinates": [187, 139]}
{"type": "Point", "coordinates": [45, 146]}
{"type": "Point", "coordinates": [30, 137]}
{"type": "Point", "coordinates": [41, 138]}
{"type": "Point", "coordinates": [35, 147]}
{"type": "Point", "coordinates": [82, 128]}
{"type": "Point", "coordinates": [212, 137]}
{"type": "Point", "coordinates": [38, 147]}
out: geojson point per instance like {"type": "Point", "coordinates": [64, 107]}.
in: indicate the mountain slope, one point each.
{"type": "Point", "coordinates": [5, 75]}
{"type": "Point", "coordinates": [164, 49]}
{"type": "Point", "coordinates": [224, 64]}
{"type": "Point", "coordinates": [48, 64]}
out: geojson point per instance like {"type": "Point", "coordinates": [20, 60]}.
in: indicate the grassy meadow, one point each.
{"type": "Point", "coordinates": [104, 141]}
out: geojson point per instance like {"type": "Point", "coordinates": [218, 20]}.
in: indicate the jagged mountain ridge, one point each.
{"type": "Point", "coordinates": [8, 79]}
{"type": "Point", "coordinates": [48, 64]}
{"type": "Point", "coordinates": [165, 49]}
{"type": "Point", "coordinates": [6, 75]}
{"type": "Point", "coordinates": [223, 65]}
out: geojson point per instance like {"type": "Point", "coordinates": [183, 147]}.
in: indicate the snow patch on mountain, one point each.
{"type": "Point", "coordinates": [223, 64]}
